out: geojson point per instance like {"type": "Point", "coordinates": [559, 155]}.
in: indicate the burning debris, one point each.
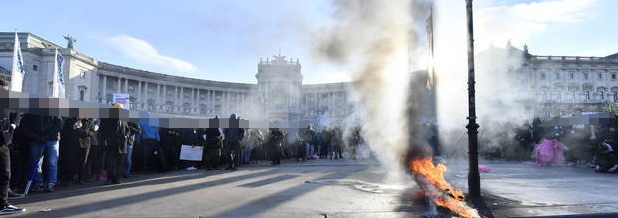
{"type": "Point", "coordinates": [430, 178]}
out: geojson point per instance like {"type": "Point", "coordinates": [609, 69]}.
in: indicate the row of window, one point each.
{"type": "Point", "coordinates": [585, 96]}
{"type": "Point", "coordinates": [572, 76]}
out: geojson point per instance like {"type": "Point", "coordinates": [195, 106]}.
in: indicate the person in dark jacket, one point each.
{"type": "Point", "coordinates": [212, 148]}
{"type": "Point", "coordinates": [8, 123]}
{"type": "Point", "coordinates": [116, 135]}
{"type": "Point", "coordinates": [538, 132]}
{"type": "Point", "coordinates": [134, 129]}
{"type": "Point", "coordinates": [96, 156]}
{"type": "Point", "coordinates": [44, 134]}
{"type": "Point", "coordinates": [607, 157]}
{"type": "Point", "coordinates": [82, 131]}
{"type": "Point", "coordinates": [276, 146]}
{"type": "Point", "coordinates": [257, 152]}
{"type": "Point", "coordinates": [171, 142]}
{"type": "Point", "coordinates": [68, 142]}
{"type": "Point", "coordinates": [233, 136]}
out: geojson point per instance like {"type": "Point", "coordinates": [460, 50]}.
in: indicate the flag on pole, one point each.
{"type": "Point", "coordinates": [17, 72]}
{"type": "Point", "coordinates": [58, 76]}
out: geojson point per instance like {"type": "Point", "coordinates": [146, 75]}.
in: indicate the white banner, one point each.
{"type": "Point", "coordinates": [192, 153]}
{"type": "Point", "coordinates": [17, 70]}
{"type": "Point", "coordinates": [122, 99]}
{"type": "Point", "coordinates": [58, 77]}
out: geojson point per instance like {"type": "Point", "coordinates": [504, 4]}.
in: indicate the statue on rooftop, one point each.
{"type": "Point", "coordinates": [70, 41]}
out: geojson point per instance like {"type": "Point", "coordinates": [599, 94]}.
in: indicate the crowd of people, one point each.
{"type": "Point", "coordinates": [593, 145]}
{"type": "Point", "coordinates": [49, 150]}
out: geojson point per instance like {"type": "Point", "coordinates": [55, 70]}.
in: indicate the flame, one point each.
{"type": "Point", "coordinates": [447, 196]}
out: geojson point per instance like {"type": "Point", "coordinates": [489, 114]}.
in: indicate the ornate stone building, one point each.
{"type": "Point", "coordinates": [278, 95]}
{"type": "Point", "coordinates": [550, 86]}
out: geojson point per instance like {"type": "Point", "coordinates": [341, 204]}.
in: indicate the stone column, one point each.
{"type": "Point", "coordinates": [182, 95]}
{"type": "Point", "coordinates": [119, 88]}
{"type": "Point", "coordinates": [146, 95]}
{"type": "Point", "coordinates": [196, 100]}
{"type": "Point", "coordinates": [182, 98]}
{"type": "Point", "coordinates": [165, 97]}
{"type": "Point", "coordinates": [126, 85]}
{"type": "Point", "coordinates": [139, 95]}
{"type": "Point", "coordinates": [104, 92]}
{"type": "Point", "coordinates": [159, 105]}
{"type": "Point", "coordinates": [211, 93]}
{"type": "Point", "coordinates": [224, 105]}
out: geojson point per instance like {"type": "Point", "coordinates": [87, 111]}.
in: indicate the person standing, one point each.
{"type": "Point", "coordinates": [83, 130]}
{"type": "Point", "coordinates": [171, 143]}
{"type": "Point", "coordinates": [308, 138]}
{"type": "Point", "coordinates": [233, 136]}
{"type": "Point", "coordinates": [276, 146]}
{"type": "Point", "coordinates": [134, 129]}
{"type": "Point", "coordinates": [149, 141]}
{"type": "Point", "coordinates": [44, 134]}
{"type": "Point", "coordinates": [116, 134]}
{"type": "Point", "coordinates": [96, 156]}
{"type": "Point", "coordinates": [212, 149]}
{"type": "Point", "coordinates": [8, 123]}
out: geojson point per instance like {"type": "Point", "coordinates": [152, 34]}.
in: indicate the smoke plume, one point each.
{"type": "Point", "coordinates": [374, 36]}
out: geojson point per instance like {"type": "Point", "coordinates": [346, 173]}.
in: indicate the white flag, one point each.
{"type": "Point", "coordinates": [58, 77]}
{"type": "Point", "coordinates": [17, 72]}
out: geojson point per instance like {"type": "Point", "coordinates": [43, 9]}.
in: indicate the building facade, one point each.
{"type": "Point", "coordinates": [550, 86]}
{"type": "Point", "coordinates": [279, 93]}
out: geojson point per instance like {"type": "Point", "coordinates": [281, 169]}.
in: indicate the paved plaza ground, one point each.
{"type": "Point", "coordinates": [324, 188]}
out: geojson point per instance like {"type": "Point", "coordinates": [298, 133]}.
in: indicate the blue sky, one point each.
{"type": "Point", "coordinates": [224, 40]}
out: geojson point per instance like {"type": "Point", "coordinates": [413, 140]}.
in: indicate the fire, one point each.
{"type": "Point", "coordinates": [447, 196]}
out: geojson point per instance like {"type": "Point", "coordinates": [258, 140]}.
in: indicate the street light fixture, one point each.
{"type": "Point", "coordinates": [474, 180]}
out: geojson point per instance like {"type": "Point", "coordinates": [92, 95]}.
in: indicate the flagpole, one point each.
{"type": "Point", "coordinates": [55, 75]}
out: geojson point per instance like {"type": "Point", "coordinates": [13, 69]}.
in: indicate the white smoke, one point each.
{"type": "Point", "coordinates": [375, 37]}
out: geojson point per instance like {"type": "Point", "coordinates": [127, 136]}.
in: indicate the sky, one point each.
{"type": "Point", "coordinates": [224, 40]}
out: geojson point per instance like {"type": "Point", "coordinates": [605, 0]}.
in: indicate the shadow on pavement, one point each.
{"type": "Point", "coordinates": [268, 181]}
{"type": "Point", "coordinates": [98, 186]}
{"type": "Point", "coordinates": [115, 202]}
{"type": "Point", "coordinates": [257, 206]}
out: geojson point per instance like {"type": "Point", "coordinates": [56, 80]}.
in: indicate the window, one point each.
{"type": "Point", "coordinates": [35, 67]}
{"type": "Point", "coordinates": [131, 88]}
{"type": "Point", "coordinates": [585, 76]}
{"type": "Point", "coordinates": [82, 92]}
{"type": "Point", "coordinates": [542, 75]}
{"type": "Point", "coordinates": [613, 76]}
{"type": "Point", "coordinates": [187, 95]}
{"type": "Point", "coordinates": [600, 76]}
{"type": "Point", "coordinates": [169, 91]}
{"type": "Point", "coordinates": [571, 75]}
{"type": "Point", "coordinates": [557, 75]}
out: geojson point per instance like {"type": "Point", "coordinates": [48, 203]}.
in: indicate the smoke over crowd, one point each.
{"type": "Point", "coordinates": [376, 37]}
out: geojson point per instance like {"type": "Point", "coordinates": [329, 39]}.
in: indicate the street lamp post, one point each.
{"type": "Point", "coordinates": [474, 180]}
